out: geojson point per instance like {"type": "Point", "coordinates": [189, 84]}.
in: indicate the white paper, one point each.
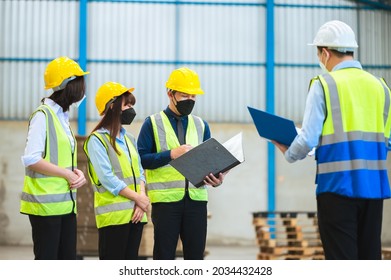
{"type": "Point", "coordinates": [235, 147]}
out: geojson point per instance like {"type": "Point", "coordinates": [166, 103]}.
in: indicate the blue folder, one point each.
{"type": "Point", "coordinates": [273, 127]}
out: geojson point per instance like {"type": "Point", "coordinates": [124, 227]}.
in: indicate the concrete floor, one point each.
{"type": "Point", "coordinates": [229, 252]}
{"type": "Point", "coordinates": [215, 252]}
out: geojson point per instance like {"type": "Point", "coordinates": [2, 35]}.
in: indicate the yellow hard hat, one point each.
{"type": "Point", "coordinates": [184, 80]}
{"type": "Point", "coordinates": [59, 70]}
{"type": "Point", "coordinates": [107, 92]}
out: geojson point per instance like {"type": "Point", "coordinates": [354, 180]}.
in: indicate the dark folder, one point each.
{"type": "Point", "coordinates": [273, 127]}
{"type": "Point", "coordinates": [208, 157]}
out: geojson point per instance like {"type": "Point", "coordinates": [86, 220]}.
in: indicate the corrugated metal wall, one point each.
{"type": "Point", "coordinates": [32, 33]}
{"type": "Point", "coordinates": [147, 41]}
{"type": "Point", "coordinates": [138, 43]}
{"type": "Point", "coordinates": [297, 23]}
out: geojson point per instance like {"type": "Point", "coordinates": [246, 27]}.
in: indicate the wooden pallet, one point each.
{"type": "Point", "coordinates": [264, 256]}
{"type": "Point", "coordinates": [290, 250]}
{"type": "Point", "coordinates": [386, 253]}
{"type": "Point", "coordinates": [290, 242]}
{"type": "Point", "coordinates": [287, 235]}
{"type": "Point", "coordinates": [298, 235]}
{"type": "Point", "coordinates": [273, 221]}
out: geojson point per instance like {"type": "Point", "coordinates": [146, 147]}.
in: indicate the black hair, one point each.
{"type": "Point", "coordinates": [112, 117]}
{"type": "Point", "coordinates": [336, 53]}
{"type": "Point", "coordinates": [72, 93]}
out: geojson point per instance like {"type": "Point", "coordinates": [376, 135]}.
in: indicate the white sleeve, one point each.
{"type": "Point", "coordinates": [36, 137]}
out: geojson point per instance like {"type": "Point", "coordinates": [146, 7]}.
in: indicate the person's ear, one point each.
{"type": "Point", "coordinates": [327, 53]}
{"type": "Point", "coordinates": [169, 93]}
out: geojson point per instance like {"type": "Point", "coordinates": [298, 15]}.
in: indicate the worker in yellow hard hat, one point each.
{"type": "Point", "coordinates": [115, 171]}
{"type": "Point", "coordinates": [52, 177]}
{"type": "Point", "coordinates": [179, 209]}
{"type": "Point", "coordinates": [348, 120]}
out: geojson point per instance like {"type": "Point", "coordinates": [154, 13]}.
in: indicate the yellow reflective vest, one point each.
{"type": "Point", "coordinates": [166, 184]}
{"type": "Point", "coordinates": [110, 209]}
{"type": "Point", "coordinates": [45, 195]}
{"type": "Point", "coordinates": [352, 153]}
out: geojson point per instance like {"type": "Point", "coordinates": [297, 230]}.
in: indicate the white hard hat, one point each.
{"type": "Point", "coordinates": [336, 35]}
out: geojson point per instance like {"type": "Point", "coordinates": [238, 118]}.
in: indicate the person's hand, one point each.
{"type": "Point", "coordinates": [142, 201]}
{"type": "Point", "coordinates": [213, 181]}
{"type": "Point", "coordinates": [178, 151]}
{"type": "Point", "coordinates": [79, 181]}
{"type": "Point", "coordinates": [138, 214]}
{"type": "Point", "coordinates": [283, 148]}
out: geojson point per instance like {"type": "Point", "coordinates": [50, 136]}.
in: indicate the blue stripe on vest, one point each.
{"type": "Point", "coordinates": [351, 151]}
{"type": "Point", "coordinates": [356, 183]}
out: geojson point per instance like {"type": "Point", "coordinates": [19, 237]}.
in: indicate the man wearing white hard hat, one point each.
{"type": "Point", "coordinates": [347, 118]}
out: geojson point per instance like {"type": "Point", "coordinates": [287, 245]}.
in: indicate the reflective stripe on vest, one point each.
{"type": "Point", "coordinates": [45, 195]}
{"type": "Point", "coordinates": [352, 153]}
{"type": "Point", "coordinates": [166, 184]}
{"type": "Point", "coordinates": [110, 209]}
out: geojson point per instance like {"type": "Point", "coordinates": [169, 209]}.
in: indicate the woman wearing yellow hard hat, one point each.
{"type": "Point", "coordinates": [115, 170]}
{"type": "Point", "coordinates": [179, 209]}
{"type": "Point", "coordinates": [52, 177]}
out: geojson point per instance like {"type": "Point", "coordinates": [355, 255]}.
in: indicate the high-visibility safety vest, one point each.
{"type": "Point", "coordinates": [45, 195]}
{"type": "Point", "coordinates": [166, 184]}
{"type": "Point", "coordinates": [352, 153]}
{"type": "Point", "coordinates": [110, 209]}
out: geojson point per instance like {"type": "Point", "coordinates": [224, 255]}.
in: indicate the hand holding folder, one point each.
{"type": "Point", "coordinates": [273, 127]}
{"type": "Point", "coordinates": [209, 157]}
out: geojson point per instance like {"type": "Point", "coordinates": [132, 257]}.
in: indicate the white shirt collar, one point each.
{"type": "Point", "coordinates": [56, 108]}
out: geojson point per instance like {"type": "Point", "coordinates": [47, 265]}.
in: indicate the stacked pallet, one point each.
{"type": "Point", "coordinates": [287, 236]}
{"type": "Point", "coordinates": [386, 253]}
{"type": "Point", "coordinates": [87, 232]}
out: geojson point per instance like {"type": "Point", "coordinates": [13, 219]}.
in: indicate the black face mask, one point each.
{"type": "Point", "coordinates": [127, 116]}
{"type": "Point", "coordinates": [185, 107]}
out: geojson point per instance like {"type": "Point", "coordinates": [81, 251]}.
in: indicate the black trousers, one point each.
{"type": "Point", "coordinates": [54, 237]}
{"type": "Point", "coordinates": [120, 242]}
{"type": "Point", "coordinates": [186, 219]}
{"type": "Point", "coordinates": [350, 229]}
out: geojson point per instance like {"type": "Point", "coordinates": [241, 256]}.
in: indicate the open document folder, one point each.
{"type": "Point", "coordinates": [273, 127]}
{"type": "Point", "coordinates": [209, 157]}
